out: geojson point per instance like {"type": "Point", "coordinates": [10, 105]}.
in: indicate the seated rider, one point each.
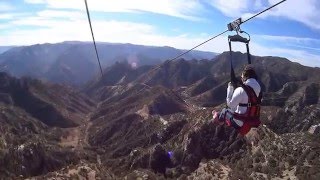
{"type": "Point", "coordinates": [243, 103]}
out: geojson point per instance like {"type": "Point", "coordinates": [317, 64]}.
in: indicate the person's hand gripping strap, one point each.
{"type": "Point", "coordinates": [230, 90]}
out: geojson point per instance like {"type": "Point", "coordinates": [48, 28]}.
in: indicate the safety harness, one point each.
{"type": "Point", "coordinates": [252, 113]}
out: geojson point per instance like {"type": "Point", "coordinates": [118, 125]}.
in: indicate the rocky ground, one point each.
{"type": "Point", "coordinates": [153, 127]}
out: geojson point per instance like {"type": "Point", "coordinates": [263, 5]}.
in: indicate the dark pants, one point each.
{"type": "Point", "coordinates": [242, 126]}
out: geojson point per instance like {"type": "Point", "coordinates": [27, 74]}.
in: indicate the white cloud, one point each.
{"type": "Point", "coordinates": [186, 9]}
{"type": "Point", "coordinates": [301, 56]}
{"type": "Point", "coordinates": [35, 1]}
{"type": "Point", "coordinates": [306, 47]}
{"type": "Point", "coordinates": [236, 8]}
{"type": "Point", "coordinates": [6, 16]}
{"type": "Point", "coordinates": [298, 42]}
{"type": "Point", "coordinates": [303, 11]}
{"type": "Point", "coordinates": [11, 16]}
{"type": "Point", "coordinates": [306, 11]}
{"type": "Point", "coordinates": [288, 38]}
{"type": "Point", "coordinates": [4, 26]}
{"type": "Point", "coordinates": [49, 18]}
{"type": "Point", "coordinates": [300, 52]}
{"type": "Point", "coordinates": [62, 30]}
{"type": "Point", "coordinates": [62, 14]}
{"type": "Point", "coordinates": [5, 7]}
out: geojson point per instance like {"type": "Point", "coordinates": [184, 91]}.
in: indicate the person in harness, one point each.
{"type": "Point", "coordinates": [243, 103]}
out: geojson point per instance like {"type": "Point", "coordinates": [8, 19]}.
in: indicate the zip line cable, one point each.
{"type": "Point", "coordinates": [94, 41]}
{"type": "Point", "coordinates": [228, 30]}
{"type": "Point", "coordinates": [263, 11]}
{"type": "Point", "coordinates": [198, 45]}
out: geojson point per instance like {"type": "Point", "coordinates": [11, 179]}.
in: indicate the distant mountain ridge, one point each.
{"type": "Point", "coordinates": [204, 79]}
{"type": "Point", "coordinates": [5, 48]}
{"type": "Point", "coordinates": [75, 63]}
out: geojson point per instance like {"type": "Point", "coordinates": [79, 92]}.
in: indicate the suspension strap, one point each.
{"type": "Point", "coordinates": [235, 26]}
{"type": "Point", "coordinates": [248, 53]}
{"type": "Point", "coordinates": [238, 38]}
{"type": "Point", "coordinates": [232, 74]}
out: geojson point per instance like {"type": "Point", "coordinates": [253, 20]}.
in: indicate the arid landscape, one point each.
{"type": "Point", "coordinates": [154, 122]}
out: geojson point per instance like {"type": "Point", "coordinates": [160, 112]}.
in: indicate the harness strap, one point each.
{"type": "Point", "coordinates": [237, 38]}
{"type": "Point", "coordinates": [253, 105]}
{"type": "Point", "coordinates": [232, 74]}
{"type": "Point", "coordinates": [248, 104]}
{"type": "Point", "coordinates": [253, 99]}
{"type": "Point", "coordinates": [248, 53]}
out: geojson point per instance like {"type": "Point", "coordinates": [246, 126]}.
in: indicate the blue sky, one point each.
{"type": "Point", "coordinates": [291, 30]}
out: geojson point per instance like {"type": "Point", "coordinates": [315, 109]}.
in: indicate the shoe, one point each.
{"type": "Point", "coordinates": [215, 118]}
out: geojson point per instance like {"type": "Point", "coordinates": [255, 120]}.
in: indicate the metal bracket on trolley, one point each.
{"type": "Point", "coordinates": [235, 25]}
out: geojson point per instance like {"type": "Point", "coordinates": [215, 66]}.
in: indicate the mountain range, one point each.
{"type": "Point", "coordinates": [154, 122]}
{"type": "Point", "coordinates": [5, 48]}
{"type": "Point", "coordinates": [75, 63]}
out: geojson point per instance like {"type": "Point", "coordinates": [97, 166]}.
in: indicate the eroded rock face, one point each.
{"type": "Point", "coordinates": [315, 129]}
{"type": "Point", "coordinates": [166, 104]}
{"type": "Point", "coordinates": [54, 105]}
{"type": "Point", "coordinates": [192, 151]}
{"type": "Point", "coordinates": [6, 99]}
{"type": "Point", "coordinates": [34, 158]}
{"type": "Point", "coordinates": [160, 159]}
{"type": "Point", "coordinates": [30, 112]}
{"type": "Point", "coordinates": [26, 159]}
{"type": "Point", "coordinates": [294, 120]}
{"type": "Point", "coordinates": [311, 95]}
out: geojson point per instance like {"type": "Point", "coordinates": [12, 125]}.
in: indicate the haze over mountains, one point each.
{"type": "Point", "coordinates": [5, 48]}
{"type": "Point", "coordinates": [75, 63]}
{"type": "Point", "coordinates": [124, 124]}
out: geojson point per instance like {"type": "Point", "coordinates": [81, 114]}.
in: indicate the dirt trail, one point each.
{"type": "Point", "coordinates": [77, 137]}
{"type": "Point", "coordinates": [71, 138]}
{"type": "Point", "coordinates": [84, 140]}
